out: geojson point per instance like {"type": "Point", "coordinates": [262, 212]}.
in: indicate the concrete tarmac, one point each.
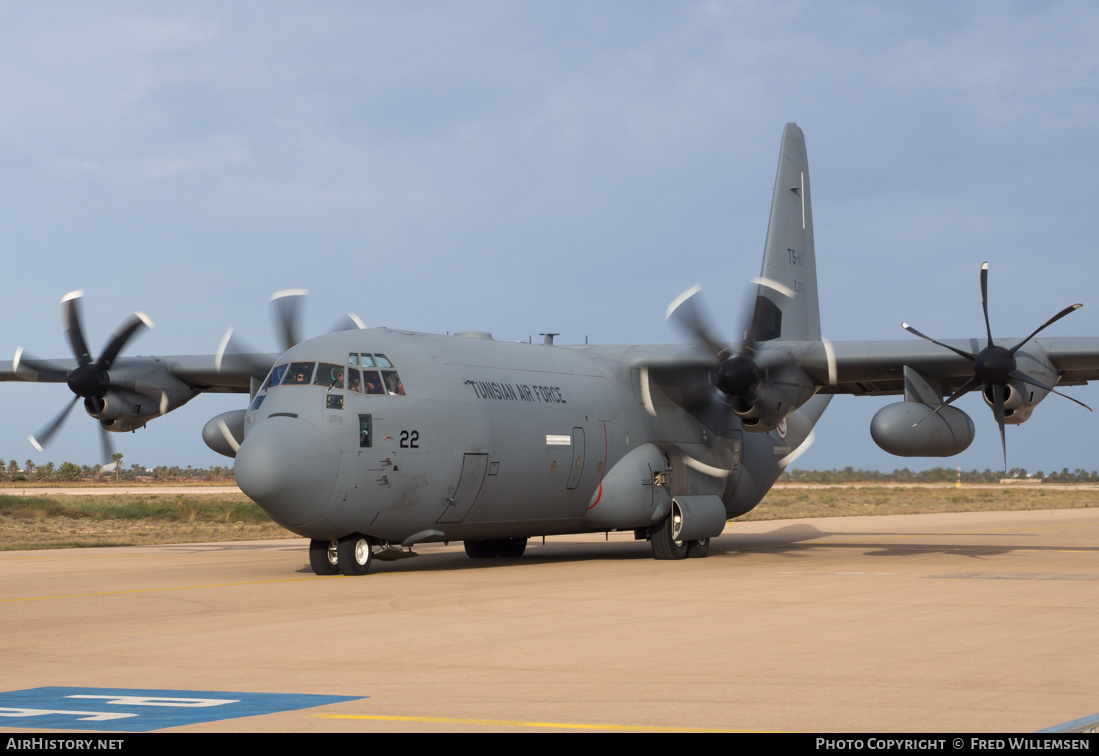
{"type": "Point", "coordinates": [957, 622]}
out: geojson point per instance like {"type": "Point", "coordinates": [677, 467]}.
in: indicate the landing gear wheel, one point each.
{"type": "Point", "coordinates": [663, 540]}
{"type": "Point", "coordinates": [496, 547]}
{"type": "Point", "coordinates": [511, 547]}
{"type": "Point", "coordinates": [354, 554]}
{"type": "Point", "coordinates": [323, 557]}
{"type": "Point", "coordinates": [480, 549]}
{"type": "Point", "coordinates": [699, 548]}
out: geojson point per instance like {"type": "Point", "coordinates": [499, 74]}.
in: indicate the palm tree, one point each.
{"type": "Point", "coordinates": [70, 471]}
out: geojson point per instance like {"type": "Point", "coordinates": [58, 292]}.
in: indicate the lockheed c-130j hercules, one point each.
{"type": "Point", "coordinates": [370, 441]}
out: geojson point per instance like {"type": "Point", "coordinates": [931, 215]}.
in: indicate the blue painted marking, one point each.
{"type": "Point", "coordinates": [137, 710]}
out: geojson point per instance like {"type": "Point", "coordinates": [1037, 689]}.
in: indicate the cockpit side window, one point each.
{"type": "Point", "coordinates": [354, 380]}
{"type": "Point", "coordinates": [274, 377]}
{"type": "Point", "coordinates": [382, 361]}
{"type": "Point", "coordinates": [329, 375]}
{"type": "Point", "coordinates": [393, 385]}
{"type": "Point", "coordinates": [299, 374]}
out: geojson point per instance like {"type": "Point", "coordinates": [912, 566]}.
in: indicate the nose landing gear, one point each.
{"type": "Point", "coordinates": [354, 554]}
{"type": "Point", "coordinates": [349, 555]}
{"type": "Point", "coordinates": [323, 557]}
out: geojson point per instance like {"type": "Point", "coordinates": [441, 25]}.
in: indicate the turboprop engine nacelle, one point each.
{"type": "Point", "coordinates": [905, 429]}
{"type": "Point", "coordinates": [1021, 398]}
{"type": "Point", "coordinates": [122, 411]}
{"type": "Point", "coordinates": [779, 392]}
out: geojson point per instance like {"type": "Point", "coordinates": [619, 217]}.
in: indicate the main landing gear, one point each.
{"type": "Point", "coordinates": [666, 546]}
{"type": "Point", "coordinates": [496, 547]}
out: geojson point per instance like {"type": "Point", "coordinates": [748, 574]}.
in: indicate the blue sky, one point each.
{"type": "Point", "coordinates": [519, 167]}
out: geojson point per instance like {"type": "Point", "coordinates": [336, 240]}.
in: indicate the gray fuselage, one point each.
{"type": "Point", "coordinates": [489, 439]}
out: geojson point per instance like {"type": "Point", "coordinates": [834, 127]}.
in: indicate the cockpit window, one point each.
{"type": "Point", "coordinates": [298, 374]}
{"type": "Point", "coordinates": [329, 375]}
{"type": "Point", "coordinates": [372, 381]}
{"type": "Point", "coordinates": [275, 376]}
{"type": "Point", "coordinates": [393, 385]}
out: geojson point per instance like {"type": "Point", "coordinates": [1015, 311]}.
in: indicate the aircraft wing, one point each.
{"type": "Point", "coordinates": [876, 368]}
{"type": "Point", "coordinates": [228, 375]}
{"type": "Point", "coordinates": [131, 391]}
{"type": "Point", "coordinates": [201, 372]}
{"type": "Point", "coordinates": [1014, 376]}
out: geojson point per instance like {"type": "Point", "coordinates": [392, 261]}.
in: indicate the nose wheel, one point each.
{"type": "Point", "coordinates": [353, 554]}
{"type": "Point", "coordinates": [350, 555]}
{"type": "Point", "coordinates": [323, 557]}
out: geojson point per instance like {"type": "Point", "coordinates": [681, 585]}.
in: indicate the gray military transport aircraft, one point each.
{"type": "Point", "coordinates": [370, 441]}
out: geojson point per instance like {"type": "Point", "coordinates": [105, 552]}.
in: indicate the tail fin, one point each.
{"type": "Point", "coordinates": [786, 302]}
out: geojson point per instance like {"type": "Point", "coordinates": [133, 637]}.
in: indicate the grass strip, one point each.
{"type": "Point", "coordinates": [50, 522]}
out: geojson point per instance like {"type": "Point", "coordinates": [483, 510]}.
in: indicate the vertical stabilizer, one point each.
{"type": "Point", "coordinates": [786, 304]}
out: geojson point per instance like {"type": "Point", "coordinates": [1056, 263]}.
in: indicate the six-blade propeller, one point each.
{"type": "Point", "coordinates": [995, 366]}
{"type": "Point", "coordinates": [90, 380]}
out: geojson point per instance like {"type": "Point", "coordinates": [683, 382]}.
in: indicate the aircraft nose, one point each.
{"type": "Point", "coordinates": [288, 467]}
